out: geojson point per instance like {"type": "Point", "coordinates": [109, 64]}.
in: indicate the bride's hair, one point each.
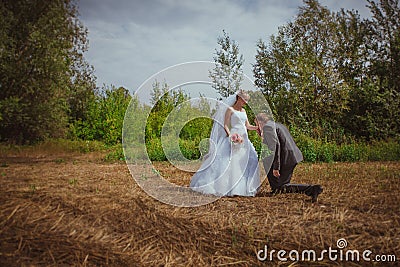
{"type": "Point", "coordinates": [242, 94]}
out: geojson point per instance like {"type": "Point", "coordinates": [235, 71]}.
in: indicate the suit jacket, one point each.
{"type": "Point", "coordinates": [278, 139]}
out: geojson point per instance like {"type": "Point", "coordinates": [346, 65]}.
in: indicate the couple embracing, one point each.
{"type": "Point", "coordinates": [231, 166]}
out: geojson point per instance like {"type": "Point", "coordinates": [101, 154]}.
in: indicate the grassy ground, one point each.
{"type": "Point", "coordinates": [70, 208]}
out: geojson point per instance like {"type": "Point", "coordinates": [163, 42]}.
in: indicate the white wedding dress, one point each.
{"type": "Point", "coordinates": [231, 169]}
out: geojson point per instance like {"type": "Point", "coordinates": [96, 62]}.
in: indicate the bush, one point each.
{"type": "Point", "coordinates": [187, 149]}
{"type": "Point", "coordinates": [320, 151]}
{"type": "Point", "coordinates": [116, 153]}
{"type": "Point", "coordinates": [104, 118]}
{"type": "Point", "coordinates": [54, 146]}
{"type": "Point", "coordinates": [190, 149]}
{"type": "Point", "coordinates": [326, 152]}
{"type": "Point", "coordinates": [348, 152]}
{"type": "Point", "coordinates": [382, 151]}
{"type": "Point", "coordinates": [313, 150]}
{"type": "Point", "coordinates": [155, 151]}
{"type": "Point", "coordinates": [64, 145]}
{"type": "Point", "coordinates": [308, 147]}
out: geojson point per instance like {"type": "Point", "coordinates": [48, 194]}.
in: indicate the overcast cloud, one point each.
{"type": "Point", "coordinates": [129, 41]}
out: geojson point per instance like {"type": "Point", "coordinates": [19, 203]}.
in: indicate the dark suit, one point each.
{"type": "Point", "coordinates": [285, 158]}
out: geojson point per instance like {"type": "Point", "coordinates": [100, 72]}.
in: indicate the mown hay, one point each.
{"type": "Point", "coordinates": [78, 210]}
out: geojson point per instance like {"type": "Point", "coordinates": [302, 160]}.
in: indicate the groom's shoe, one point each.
{"type": "Point", "coordinates": [316, 190]}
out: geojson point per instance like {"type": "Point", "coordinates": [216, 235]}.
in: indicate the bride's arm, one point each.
{"type": "Point", "coordinates": [250, 127]}
{"type": "Point", "coordinates": [227, 120]}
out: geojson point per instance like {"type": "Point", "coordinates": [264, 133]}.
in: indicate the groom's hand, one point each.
{"type": "Point", "coordinates": [276, 173]}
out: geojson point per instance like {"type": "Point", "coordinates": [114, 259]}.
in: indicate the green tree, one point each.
{"type": "Point", "coordinates": [298, 71]}
{"type": "Point", "coordinates": [113, 105]}
{"type": "Point", "coordinates": [227, 74]}
{"type": "Point", "coordinates": [369, 61]}
{"type": "Point", "coordinates": [41, 64]}
{"type": "Point", "coordinates": [134, 122]}
{"type": "Point", "coordinates": [272, 75]}
{"type": "Point", "coordinates": [104, 116]}
{"type": "Point", "coordinates": [383, 47]}
{"type": "Point", "coordinates": [163, 102]}
{"type": "Point", "coordinates": [353, 63]}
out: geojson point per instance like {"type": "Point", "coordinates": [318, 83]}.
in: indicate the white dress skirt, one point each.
{"type": "Point", "coordinates": [234, 169]}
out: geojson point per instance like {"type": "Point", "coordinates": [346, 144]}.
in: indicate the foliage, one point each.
{"type": "Point", "coordinates": [105, 117]}
{"type": "Point", "coordinates": [135, 115]}
{"type": "Point", "coordinates": [333, 73]}
{"type": "Point", "coordinates": [227, 74]}
{"type": "Point", "coordinates": [333, 78]}
{"type": "Point", "coordinates": [298, 70]}
{"type": "Point", "coordinates": [313, 150]}
{"type": "Point", "coordinates": [54, 146]}
{"type": "Point", "coordinates": [41, 68]}
{"type": "Point", "coordinates": [177, 123]}
{"type": "Point", "coordinates": [383, 52]}
{"type": "Point", "coordinates": [115, 154]}
{"type": "Point", "coordinates": [163, 102]}
{"type": "Point", "coordinates": [315, 75]}
{"type": "Point", "coordinates": [322, 151]}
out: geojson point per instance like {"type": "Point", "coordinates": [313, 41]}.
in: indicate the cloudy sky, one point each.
{"type": "Point", "coordinates": [130, 40]}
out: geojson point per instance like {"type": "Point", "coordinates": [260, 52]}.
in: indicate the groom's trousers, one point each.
{"type": "Point", "coordinates": [282, 183]}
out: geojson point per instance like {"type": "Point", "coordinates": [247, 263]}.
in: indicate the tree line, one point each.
{"type": "Point", "coordinates": [332, 74]}
{"type": "Point", "coordinates": [327, 75]}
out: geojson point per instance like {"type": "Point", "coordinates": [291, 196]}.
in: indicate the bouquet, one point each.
{"type": "Point", "coordinates": [236, 138]}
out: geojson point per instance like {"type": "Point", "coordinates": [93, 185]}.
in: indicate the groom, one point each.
{"type": "Point", "coordinates": [287, 155]}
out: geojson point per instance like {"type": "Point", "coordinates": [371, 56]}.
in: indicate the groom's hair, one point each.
{"type": "Point", "coordinates": [263, 117]}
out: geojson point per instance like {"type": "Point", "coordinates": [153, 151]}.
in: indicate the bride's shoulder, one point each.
{"type": "Point", "coordinates": [229, 111]}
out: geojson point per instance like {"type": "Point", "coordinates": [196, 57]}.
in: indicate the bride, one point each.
{"type": "Point", "coordinates": [231, 165]}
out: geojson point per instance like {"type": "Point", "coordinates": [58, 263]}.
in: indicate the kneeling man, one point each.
{"type": "Point", "coordinates": [285, 158]}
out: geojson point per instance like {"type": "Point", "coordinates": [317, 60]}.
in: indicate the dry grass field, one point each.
{"type": "Point", "coordinates": [63, 209]}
